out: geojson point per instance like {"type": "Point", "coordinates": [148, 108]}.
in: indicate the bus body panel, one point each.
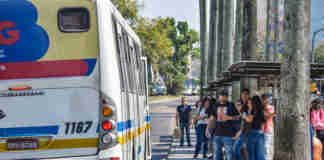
{"type": "Point", "coordinates": [60, 119]}
{"type": "Point", "coordinates": [42, 50]}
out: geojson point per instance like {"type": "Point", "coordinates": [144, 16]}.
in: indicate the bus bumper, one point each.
{"type": "Point", "coordinates": [77, 158]}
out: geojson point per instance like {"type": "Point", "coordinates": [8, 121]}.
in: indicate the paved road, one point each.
{"type": "Point", "coordinates": [163, 123]}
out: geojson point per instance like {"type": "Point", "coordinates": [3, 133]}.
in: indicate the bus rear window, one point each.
{"type": "Point", "coordinates": [74, 20]}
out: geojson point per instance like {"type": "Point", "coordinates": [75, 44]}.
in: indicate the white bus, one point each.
{"type": "Point", "coordinates": [73, 82]}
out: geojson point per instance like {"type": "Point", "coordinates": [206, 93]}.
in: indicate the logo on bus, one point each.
{"type": "Point", "coordinates": [8, 36]}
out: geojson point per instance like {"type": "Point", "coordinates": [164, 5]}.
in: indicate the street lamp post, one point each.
{"type": "Point", "coordinates": [313, 43]}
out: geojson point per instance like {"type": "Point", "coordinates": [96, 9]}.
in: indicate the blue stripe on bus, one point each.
{"type": "Point", "coordinates": [29, 131]}
{"type": "Point", "coordinates": [147, 118]}
{"type": "Point", "coordinates": [128, 124]}
{"type": "Point", "coordinates": [120, 126]}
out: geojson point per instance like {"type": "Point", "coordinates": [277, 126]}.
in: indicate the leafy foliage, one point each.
{"type": "Point", "coordinates": [319, 53]}
{"type": "Point", "coordinates": [166, 43]}
{"type": "Point", "coordinates": [128, 8]}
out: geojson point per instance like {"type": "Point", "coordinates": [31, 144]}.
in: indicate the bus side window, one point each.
{"type": "Point", "coordinates": [139, 69]}
{"type": "Point", "coordinates": [127, 62]}
{"type": "Point", "coordinates": [120, 53]}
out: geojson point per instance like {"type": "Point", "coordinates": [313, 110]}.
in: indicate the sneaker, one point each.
{"type": "Point", "coordinates": [189, 145]}
{"type": "Point", "coordinates": [205, 156]}
{"type": "Point", "coordinates": [195, 156]}
{"type": "Point", "coordinates": [181, 145]}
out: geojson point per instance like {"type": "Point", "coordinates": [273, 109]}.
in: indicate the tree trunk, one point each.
{"type": "Point", "coordinates": [229, 34]}
{"type": "Point", "coordinates": [293, 138]}
{"type": "Point", "coordinates": [250, 36]}
{"type": "Point", "coordinates": [238, 44]}
{"type": "Point", "coordinates": [269, 54]}
{"type": "Point", "coordinates": [229, 31]}
{"type": "Point", "coordinates": [213, 46]}
{"type": "Point", "coordinates": [203, 4]}
{"type": "Point", "coordinates": [220, 36]}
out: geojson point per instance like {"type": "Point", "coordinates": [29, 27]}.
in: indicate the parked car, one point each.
{"type": "Point", "coordinates": [159, 90]}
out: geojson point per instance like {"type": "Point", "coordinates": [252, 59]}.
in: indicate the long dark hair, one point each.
{"type": "Point", "coordinates": [205, 100]}
{"type": "Point", "coordinates": [257, 104]}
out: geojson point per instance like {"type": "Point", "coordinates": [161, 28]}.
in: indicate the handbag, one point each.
{"type": "Point", "coordinates": [176, 133]}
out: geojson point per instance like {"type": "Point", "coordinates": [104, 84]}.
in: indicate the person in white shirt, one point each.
{"type": "Point", "coordinates": [201, 121]}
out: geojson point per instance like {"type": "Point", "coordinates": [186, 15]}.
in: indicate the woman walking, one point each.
{"type": "Point", "coordinates": [241, 137]}
{"type": "Point", "coordinates": [202, 120]}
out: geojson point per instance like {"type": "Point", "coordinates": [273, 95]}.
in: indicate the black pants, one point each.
{"type": "Point", "coordinates": [320, 136]}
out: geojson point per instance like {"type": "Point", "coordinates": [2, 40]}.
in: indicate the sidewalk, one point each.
{"type": "Point", "coordinates": [185, 152]}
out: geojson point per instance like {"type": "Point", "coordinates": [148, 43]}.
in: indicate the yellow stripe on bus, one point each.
{"type": "Point", "coordinates": [131, 135]}
{"type": "Point", "coordinates": [62, 144]}
{"type": "Point", "coordinates": [82, 143]}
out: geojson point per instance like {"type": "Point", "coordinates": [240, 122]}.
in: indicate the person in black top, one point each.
{"type": "Point", "coordinates": [183, 117]}
{"type": "Point", "coordinates": [223, 132]}
{"type": "Point", "coordinates": [255, 137]}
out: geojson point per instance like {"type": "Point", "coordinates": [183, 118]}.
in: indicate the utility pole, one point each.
{"type": "Point", "coordinates": [293, 128]}
{"type": "Point", "coordinates": [213, 46]}
{"type": "Point", "coordinates": [238, 43]}
{"type": "Point", "coordinates": [204, 16]}
{"type": "Point", "coordinates": [229, 35]}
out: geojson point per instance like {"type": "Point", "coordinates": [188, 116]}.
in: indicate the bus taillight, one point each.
{"type": "Point", "coordinates": [107, 111]}
{"type": "Point", "coordinates": [108, 125]}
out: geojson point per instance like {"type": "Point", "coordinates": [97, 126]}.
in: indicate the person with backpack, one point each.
{"type": "Point", "coordinates": [183, 118]}
{"type": "Point", "coordinates": [201, 121]}
{"type": "Point", "coordinates": [224, 113]}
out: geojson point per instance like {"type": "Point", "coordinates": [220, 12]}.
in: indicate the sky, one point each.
{"type": "Point", "coordinates": [317, 18]}
{"type": "Point", "coordinates": [181, 10]}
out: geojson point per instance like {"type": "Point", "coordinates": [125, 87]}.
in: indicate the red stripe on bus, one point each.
{"type": "Point", "coordinates": [44, 69]}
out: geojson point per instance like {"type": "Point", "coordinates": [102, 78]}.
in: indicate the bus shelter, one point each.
{"type": "Point", "coordinates": [266, 73]}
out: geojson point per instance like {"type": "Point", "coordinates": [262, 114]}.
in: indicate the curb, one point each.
{"type": "Point", "coordinates": [163, 100]}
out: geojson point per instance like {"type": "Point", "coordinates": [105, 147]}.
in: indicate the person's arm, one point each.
{"type": "Point", "coordinates": [210, 119]}
{"type": "Point", "coordinates": [237, 135]}
{"type": "Point", "coordinates": [268, 115]}
{"type": "Point", "coordinates": [190, 118]}
{"type": "Point", "coordinates": [177, 118]}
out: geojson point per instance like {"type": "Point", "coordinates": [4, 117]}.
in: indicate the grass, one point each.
{"type": "Point", "coordinates": [157, 98]}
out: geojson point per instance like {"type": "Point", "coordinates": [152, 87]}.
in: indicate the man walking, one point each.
{"type": "Point", "coordinates": [224, 113]}
{"type": "Point", "coordinates": [183, 117]}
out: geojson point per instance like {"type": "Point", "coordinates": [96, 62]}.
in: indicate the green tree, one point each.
{"type": "Point", "coordinates": [166, 43]}
{"type": "Point", "coordinates": [184, 42]}
{"type": "Point", "coordinates": [319, 53]}
{"type": "Point", "coordinates": [157, 46]}
{"type": "Point", "coordinates": [128, 8]}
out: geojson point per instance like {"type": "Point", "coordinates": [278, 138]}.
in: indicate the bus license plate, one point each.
{"type": "Point", "coordinates": [22, 144]}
